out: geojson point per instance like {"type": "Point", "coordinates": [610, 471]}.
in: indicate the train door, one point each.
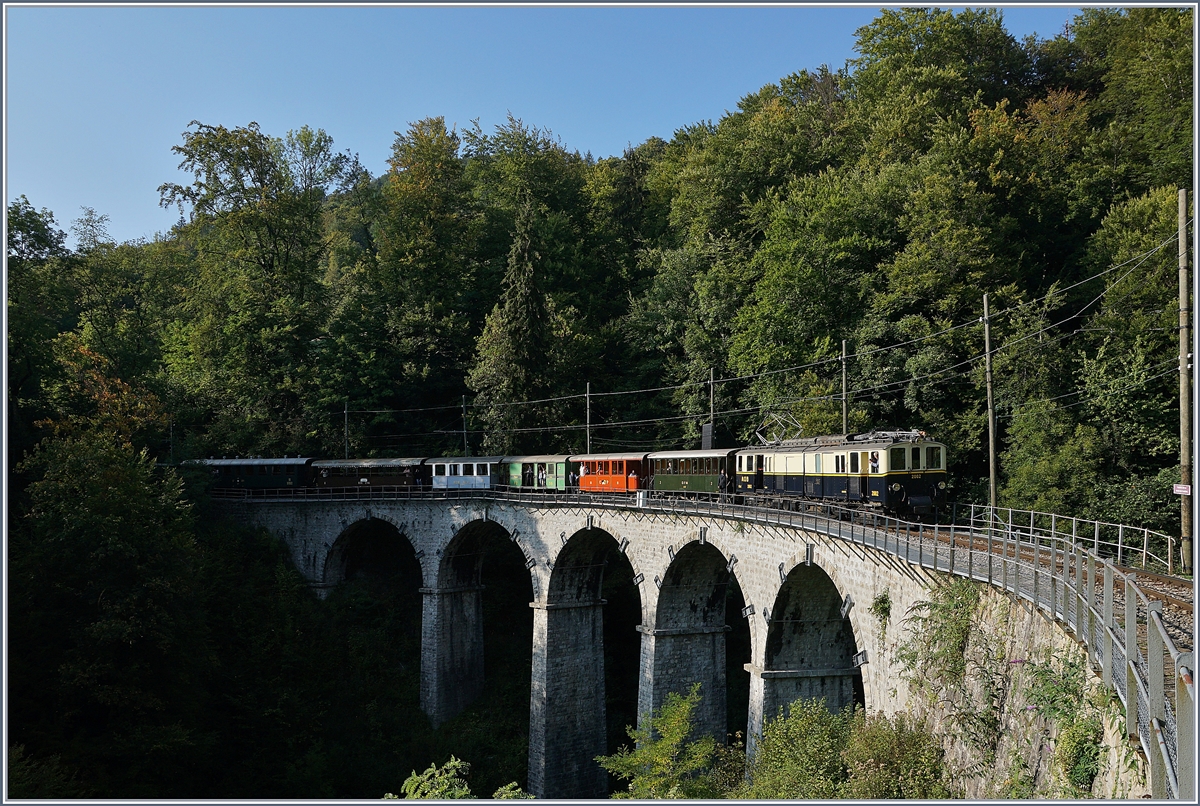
{"type": "Point", "coordinates": [858, 475]}
{"type": "Point", "coordinates": [759, 463]}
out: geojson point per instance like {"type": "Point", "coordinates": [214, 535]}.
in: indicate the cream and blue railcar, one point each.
{"type": "Point", "coordinates": [468, 472]}
{"type": "Point", "coordinates": [897, 471]}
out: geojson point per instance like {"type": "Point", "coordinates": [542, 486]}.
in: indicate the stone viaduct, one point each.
{"type": "Point", "coordinates": [806, 599]}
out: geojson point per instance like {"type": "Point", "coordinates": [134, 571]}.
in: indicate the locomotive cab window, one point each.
{"type": "Point", "coordinates": [896, 459]}
{"type": "Point", "coordinates": [854, 463]}
{"type": "Point", "coordinates": [916, 459]}
{"type": "Point", "coordinates": [933, 457]}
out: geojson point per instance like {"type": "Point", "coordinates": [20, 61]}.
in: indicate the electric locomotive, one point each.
{"type": "Point", "coordinates": [897, 471]}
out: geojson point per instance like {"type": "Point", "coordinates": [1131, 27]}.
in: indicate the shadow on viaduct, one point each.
{"type": "Point", "coordinates": [755, 612]}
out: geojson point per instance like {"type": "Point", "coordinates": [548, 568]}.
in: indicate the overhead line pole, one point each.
{"type": "Point", "coordinates": [346, 427]}
{"type": "Point", "coordinates": [845, 417]}
{"type": "Point", "coordinates": [987, 352]}
{"type": "Point", "coordinates": [466, 447]}
{"type": "Point", "coordinates": [589, 417]}
{"type": "Point", "coordinates": [711, 410]}
{"type": "Point", "coordinates": [1185, 396]}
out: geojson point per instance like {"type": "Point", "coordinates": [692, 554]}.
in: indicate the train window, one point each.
{"type": "Point", "coordinates": [761, 465]}
{"type": "Point", "coordinates": [439, 470]}
{"type": "Point", "coordinates": [839, 463]}
{"type": "Point", "coordinates": [816, 463]}
{"type": "Point", "coordinates": [933, 457]}
{"type": "Point", "coordinates": [896, 459]}
{"type": "Point", "coordinates": [739, 463]}
{"type": "Point", "coordinates": [481, 470]}
{"type": "Point", "coordinates": [453, 470]}
{"type": "Point", "coordinates": [619, 468]}
{"type": "Point", "coordinates": [854, 463]}
{"type": "Point", "coordinates": [916, 459]}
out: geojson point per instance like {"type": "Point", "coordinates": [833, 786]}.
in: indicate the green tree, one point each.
{"type": "Point", "coordinates": [102, 568]}
{"type": "Point", "coordinates": [513, 350]}
{"type": "Point", "coordinates": [40, 305]}
{"type": "Point", "coordinates": [256, 305]}
{"type": "Point", "coordinates": [664, 762]}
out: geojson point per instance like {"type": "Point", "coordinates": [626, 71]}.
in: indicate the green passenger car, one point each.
{"type": "Point", "coordinates": [541, 472]}
{"type": "Point", "coordinates": [691, 471]}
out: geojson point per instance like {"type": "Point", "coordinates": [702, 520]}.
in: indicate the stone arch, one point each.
{"type": "Point", "coordinates": [369, 547]}
{"type": "Point", "coordinates": [455, 615]}
{"type": "Point", "coordinates": [686, 642]}
{"type": "Point", "coordinates": [568, 714]}
{"type": "Point", "coordinates": [810, 644]}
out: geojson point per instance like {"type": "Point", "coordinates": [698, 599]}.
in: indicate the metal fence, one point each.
{"type": "Point", "coordinates": [1126, 545]}
{"type": "Point", "coordinates": [1063, 566]}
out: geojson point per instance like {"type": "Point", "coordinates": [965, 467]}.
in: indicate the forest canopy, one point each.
{"type": "Point", "coordinates": [302, 305]}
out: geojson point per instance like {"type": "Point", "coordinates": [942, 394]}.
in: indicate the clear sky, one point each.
{"type": "Point", "coordinates": [95, 96]}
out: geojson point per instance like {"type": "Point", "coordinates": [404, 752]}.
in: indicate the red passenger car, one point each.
{"type": "Point", "coordinates": [613, 472]}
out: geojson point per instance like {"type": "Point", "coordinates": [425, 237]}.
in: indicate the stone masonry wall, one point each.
{"type": "Point", "coordinates": [759, 556]}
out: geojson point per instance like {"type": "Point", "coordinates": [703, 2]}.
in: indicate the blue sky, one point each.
{"type": "Point", "coordinates": [96, 96]}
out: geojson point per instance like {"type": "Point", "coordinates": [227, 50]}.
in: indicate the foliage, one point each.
{"type": "Point", "coordinates": [881, 609]}
{"type": "Point", "coordinates": [800, 753]}
{"type": "Point", "coordinates": [1078, 753]}
{"type": "Point", "coordinates": [49, 778]}
{"type": "Point", "coordinates": [1058, 690]}
{"type": "Point", "coordinates": [664, 763]}
{"type": "Point", "coordinates": [892, 757]}
{"type": "Point", "coordinates": [447, 782]}
{"type": "Point", "coordinates": [934, 656]}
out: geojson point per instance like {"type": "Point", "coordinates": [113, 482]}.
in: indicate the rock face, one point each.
{"type": "Point", "coordinates": [1025, 711]}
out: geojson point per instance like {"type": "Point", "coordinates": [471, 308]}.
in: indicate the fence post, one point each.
{"type": "Point", "coordinates": [1096, 540]}
{"type": "Point", "coordinates": [991, 519]}
{"type": "Point", "coordinates": [1004, 538]}
{"type": "Point", "coordinates": [1185, 733]}
{"type": "Point", "coordinates": [1120, 544]}
{"type": "Point", "coordinates": [1131, 649]}
{"type": "Point", "coordinates": [1036, 562]}
{"type": "Point", "coordinates": [1080, 621]}
{"type": "Point", "coordinates": [1157, 702]}
{"type": "Point", "coordinates": [1090, 621]}
{"type": "Point", "coordinates": [1106, 634]}
{"type": "Point", "coordinates": [953, 540]}
{"type": "Point", "coordinates": [1053, 577]}
{"type": "Point", "coordinates": [1145, 546]}
{"type": "Point", "coordinates": [921, 544]}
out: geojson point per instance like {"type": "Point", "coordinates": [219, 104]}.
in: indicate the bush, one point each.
{"type": "Point", "coordinates": [892, 758]}
{"type": "Point", "coordinates": [800, 754]}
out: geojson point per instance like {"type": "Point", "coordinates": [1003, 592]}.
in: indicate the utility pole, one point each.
{"type": "Point", "coordinates": [845, 414]}
{"type": "Point", "coordinates": [589, 417]}
{"type": "Point", "coordinates": [711, 410]}
{"type": "Point", "coordinates": [466, 447]}
{"type": "Point", "coordinates": [346, 428]}
{"type": "Point", "coordinates": [1185, 397]}
{"type": "Point", "coordinates": [987, 351]}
